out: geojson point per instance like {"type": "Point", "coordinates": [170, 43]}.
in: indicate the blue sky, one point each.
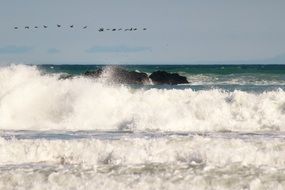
{"type": "Point", "coordinates": [179, 31]}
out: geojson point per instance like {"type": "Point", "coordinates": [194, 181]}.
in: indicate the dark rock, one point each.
{"type": "Point", "coordinates": [65, 76]}
{"type": "Point", "coordinates": [94, 74]}
{"type": "Point", "coordinates": [129, 77]}
{"type": "Point", "coordinates": [162, 77]}
{"type": "Point", "coordinates": [119, 75]}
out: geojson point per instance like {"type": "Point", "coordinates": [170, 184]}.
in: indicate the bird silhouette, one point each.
{"type": "Point", "coordinates": [85, 27]}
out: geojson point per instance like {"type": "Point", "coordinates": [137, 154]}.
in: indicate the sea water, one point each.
{"type": "Point", "coordinates": [223, 130]}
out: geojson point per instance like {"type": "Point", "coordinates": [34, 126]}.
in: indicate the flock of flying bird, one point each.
{"type": "Point", "coordinates": [84, 27]}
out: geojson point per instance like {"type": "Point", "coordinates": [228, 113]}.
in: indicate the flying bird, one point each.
{"type": "Point", "coordinates": [85, 27]}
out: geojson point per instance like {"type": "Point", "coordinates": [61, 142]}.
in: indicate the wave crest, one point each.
{"type": "Point", "coordinates": [32, 100]}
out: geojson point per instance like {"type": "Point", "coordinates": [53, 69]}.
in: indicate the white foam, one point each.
{"type": "Point", "coordinates": [131, 151]}
{"type": "Point", "coordinates": [30, 100]}
{"type": "Point", "coordinates": [144, 178]}
{"type": "Point", "coordinates": [232, 79]}
{"type": "Point", "coordinates": [180, 163]}
{"type": "Point", "coordinates": [141, 178]}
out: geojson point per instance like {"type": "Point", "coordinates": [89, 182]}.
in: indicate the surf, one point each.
{"type": "Point", "coordinates": [33, 100]}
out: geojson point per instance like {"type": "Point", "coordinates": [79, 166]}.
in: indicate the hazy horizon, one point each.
{"type": "Point", "coordinates": [180, 32]}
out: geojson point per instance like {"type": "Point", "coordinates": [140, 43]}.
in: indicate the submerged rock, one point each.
{"type": "Point", "coordinates": [162, 77]}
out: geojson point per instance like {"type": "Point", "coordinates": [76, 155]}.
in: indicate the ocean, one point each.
{"type": "Point", "coordinates": [223, 130]}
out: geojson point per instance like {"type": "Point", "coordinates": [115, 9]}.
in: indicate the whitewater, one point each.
{"type": "Point", "coordinates": [225, 130]}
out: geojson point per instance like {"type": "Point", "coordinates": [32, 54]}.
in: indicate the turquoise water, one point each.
{"type": "Point", "coordinates": [191, 69]}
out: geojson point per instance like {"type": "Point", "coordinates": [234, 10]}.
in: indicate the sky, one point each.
{"type": "Point", "coordinates": [178, 31]}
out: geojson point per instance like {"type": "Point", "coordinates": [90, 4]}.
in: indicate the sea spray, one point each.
{"type": "Point", "coordinates": [32, 100]}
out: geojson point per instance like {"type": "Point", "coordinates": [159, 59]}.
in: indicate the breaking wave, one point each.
{"type": "Point", "coordinates": [31, 100]}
